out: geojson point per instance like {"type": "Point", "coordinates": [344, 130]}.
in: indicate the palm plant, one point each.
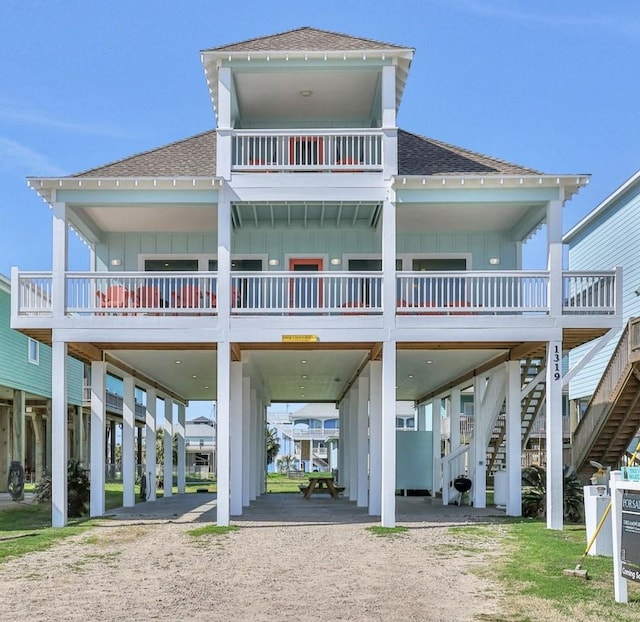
{"type": "Point", "coordinates": [534, 493]}
{"type": "Point", "coordinates": [273, 444]}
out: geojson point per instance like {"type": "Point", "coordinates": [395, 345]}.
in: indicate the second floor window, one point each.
{"type": "Point", "coordinates": [33, 352]}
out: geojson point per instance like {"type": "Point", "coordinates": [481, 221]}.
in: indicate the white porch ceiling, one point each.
{"type": "Point", "coordinates": [286, 378]}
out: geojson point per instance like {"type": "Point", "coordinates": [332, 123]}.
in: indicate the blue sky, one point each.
{"type": "Point", "coordinates": [548, 84]}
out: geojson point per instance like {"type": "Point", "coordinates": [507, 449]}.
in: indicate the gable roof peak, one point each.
{"type": "Point", "coordinates": [306, 38]}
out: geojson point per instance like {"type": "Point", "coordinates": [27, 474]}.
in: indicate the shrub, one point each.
{"type": "Point", "coordinates": [78, 489]}
{"type": "Point", "coordinates": [534, 494]}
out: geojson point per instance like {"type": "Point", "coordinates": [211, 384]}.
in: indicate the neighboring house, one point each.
{"type": "Point", "coordinates": [200, 436]}
{"type": "Point", "coordinates": [605, 238]}
{"type": "Point", "coordinates": [25, 401]}
{"type": "Point", "coordinates": [309, 250]}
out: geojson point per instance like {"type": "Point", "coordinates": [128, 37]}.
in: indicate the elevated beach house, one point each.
{"type": "Point", "coordinates": [309, 250]}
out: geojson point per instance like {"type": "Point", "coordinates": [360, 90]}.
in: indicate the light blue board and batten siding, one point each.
{"type": "Point", "coordinates": [17, 372]}
{"type": "Point", "coordinates": [331, 242]}
{"type": "Point", "coordinates": [611, 240]}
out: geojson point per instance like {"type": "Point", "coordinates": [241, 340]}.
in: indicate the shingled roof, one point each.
{"type": "Point", "coordinates": [418, 155]}
{"type": "Point", "coordinates": [190, 157]}
{"type": "Point", "coordinates": [306, 39]}
{"type": "Point", "coordinates": [196, 157]}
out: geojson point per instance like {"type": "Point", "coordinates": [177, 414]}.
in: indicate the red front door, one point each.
{"type": "Point", "coordinates": [305, 291]}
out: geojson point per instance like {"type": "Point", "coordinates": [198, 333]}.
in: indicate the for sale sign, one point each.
{"type": "Point", "coordinates": [630, 541]}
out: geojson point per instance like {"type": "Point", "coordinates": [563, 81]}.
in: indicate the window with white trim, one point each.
{"type": "Point", "coordinates": [33, 351]}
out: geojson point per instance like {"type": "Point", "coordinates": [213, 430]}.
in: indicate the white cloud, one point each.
{"type": "Point", "coordinates": [604, 20]}
{"type": "Point", "coordinates": [25, 116]}
{"type": "Point", "coordinates": [17, 159]}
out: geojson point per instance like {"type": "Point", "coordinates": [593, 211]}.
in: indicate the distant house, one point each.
{"type": "Point", "coordinates": [25, 400]}
{"type": "Point", "coordinates": [200, 437]}
{"type": "Point", "coordinates": [603, 394]}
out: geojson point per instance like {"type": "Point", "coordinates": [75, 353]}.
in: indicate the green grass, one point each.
{"type": "Point", "coordinates": [212, 530]}
{"type": "Point", "coordinates": [279, 482]}
{"type": "Point", "coordinates": [532, 567]}
{"type": "Point", "coordinates": [398, 530]}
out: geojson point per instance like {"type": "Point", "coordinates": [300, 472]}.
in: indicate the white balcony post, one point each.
{"type": "Point", "coordinates": [224, 132]}
{"type": "Point", "coordinates": [59, 258]}
{"type": "Point", "coordinates": [98, 438]}
{"type": "Point", "coordinates": [150, 443]}
{"type": "Point", "coordinates": [59, 433]}
{"type": "Point", "coordinates": [554, 256]}
{"type": "Point", "coordinates": [375, 442]}
{"type": "Point", "coordinates": [554, 435]}
{"type": "Point", "coordinates": [167, 440]}
{"type": "Point", "coordinates": [389, 260]}
{"type": "Point", "coordinates": [389, 128]}
{"type": "Point", "coordinates": [223, 289]}
{"type": "Point", "coordinates": [513, 442]}
{"type": "Point", "coordinates": [182, 450]}
{"type": "Point", "coordinates": [128, 443]}
{"type": "Point", "coordinates": [388, 514]}
{"type": "Point", "coordinates": [238, 460]}
{"type": "Point", "coordinates": [257, 446]}
{"type": "Point", "coordinates": [223, 431]}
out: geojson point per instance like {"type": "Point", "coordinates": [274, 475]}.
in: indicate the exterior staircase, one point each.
{"type": "Point", "coordinates": [612, 418]}
{"type": "Point", "coordinates": [532, 404]}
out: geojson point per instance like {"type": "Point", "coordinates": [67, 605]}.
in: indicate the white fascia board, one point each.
{"type": "Point", "coordinates": [570, 183]}
{"type": "Point", "coordinates": [602, 207]}
{"type": "Point", "coordinates": [47, 186]}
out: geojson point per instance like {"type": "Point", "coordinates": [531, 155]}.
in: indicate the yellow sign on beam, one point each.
{"type": "Point", "coordinates": [299, 338]}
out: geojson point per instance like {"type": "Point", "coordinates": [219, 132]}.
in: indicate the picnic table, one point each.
{"type": "Point", "coordinates": [321, 484]}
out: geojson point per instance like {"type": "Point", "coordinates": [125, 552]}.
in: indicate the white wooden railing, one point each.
{"type": "Point", "coordinates": [315, 293]}
{"type": "Point", "coordinates": [310, 150]}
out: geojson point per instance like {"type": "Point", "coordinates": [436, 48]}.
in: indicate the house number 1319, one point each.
{"type": "Point", "coordinates": [556, 362]}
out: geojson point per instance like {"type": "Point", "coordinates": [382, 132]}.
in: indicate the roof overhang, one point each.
{"type": "Point", "coordinates": [307, 65]}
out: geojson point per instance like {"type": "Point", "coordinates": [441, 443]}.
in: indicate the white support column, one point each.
{"type": "Point", "coordinates": [19, 427]}
{"type": "Point", "coordinates": [479, 490]}
{"type": "Point", "coordinates": [167, 446]}
{"type": "Point", "coordinates": [554, 257]}
{"type": "Point", "coordinates": [513, 439]}
{"type": "Point", "coordinates": [353, 443]}
{"type": "Point", "coordinates": [235, 433]}
{"type": "Point", "coordinates": [249, 416]}
{"type": "Point", "coordinates": [59, 433]}
{"type": "Point", "coordinates": [375, 441]}
{"type": "Point", "coordinates": [182, 449]}
{"type": "Point", "coordinates": [388, 515]}
{"type": "Point", "coordinates": [554, 436]}
{"type": "Point", "coordinates": [454, 413]}
{"type": "Point", "coordinates": [150, 444]}
{"type": "Point", "coordinates": [128, 443]}
{"type": "Point", "coordinates": [345, 445]}
{"type": "Point", "coordinates": [257, 447]}
{"type": "Point", "coordinates": [363, 442]}
{"type": "Point", "coordinates": [223, 440]}
{"type": "Point", "coordinates": [59, 259]}
{"type": "Point", "coordinates": [436, 420]}
{"type": "Point", "coordinates": [421, 415]}
{"type": "Point", "coordinates": [98, 438]}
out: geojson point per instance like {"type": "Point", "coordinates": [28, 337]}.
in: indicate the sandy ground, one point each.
{"type": "Point", "coordinates": [289, 560]}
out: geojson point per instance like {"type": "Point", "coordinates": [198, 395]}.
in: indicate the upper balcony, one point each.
{"type": "Point", "coordinates": [307, 151]}
{"type": "Point", "coordinates": [455, 293]}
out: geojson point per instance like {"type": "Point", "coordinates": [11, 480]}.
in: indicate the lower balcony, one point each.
{"type": "Point", "coordinates": [314, 293]}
